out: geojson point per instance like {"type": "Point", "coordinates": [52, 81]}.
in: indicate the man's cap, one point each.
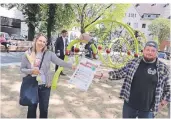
{"type": "Point", "coordinates": [152, 44]}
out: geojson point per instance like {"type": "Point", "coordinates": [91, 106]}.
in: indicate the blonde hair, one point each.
{"type": "Point", "coordinates": [33, 49]}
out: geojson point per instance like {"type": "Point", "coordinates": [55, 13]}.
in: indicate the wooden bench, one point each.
{"type": "Point", "coordinates": [17, 46]}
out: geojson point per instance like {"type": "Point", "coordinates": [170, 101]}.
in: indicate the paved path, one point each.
{"type": "Point", "coordinates": [10, 58]}
{"type": "Point", "coordinates": [100, 101]}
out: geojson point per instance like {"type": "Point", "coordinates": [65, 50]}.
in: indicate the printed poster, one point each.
{"type": "Point", "coordinates": [84, 74]}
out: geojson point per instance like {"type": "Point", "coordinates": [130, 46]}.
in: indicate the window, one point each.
{"type": "Point", "coordinates": [157, 16]}
{"type": "Point", "coordinates": [166, 5]}
{"type": "Point", "coordinates": [153, 16]}
{"type": "Point", "coordinates": [149, 15]}
{"type": "Point", "coordinates": [129, 23]}
{"type": "Point", "coordinates": [129, 15]}
{"type": "Point", "coordinates": [137, 5]}
{"type": "Point", "coordinates": [145, 16]}
{"type": "Point", "coordinates": [153, 4]}
{"type": "Point", "coordinates": [135, 25]}
{"type": "Point", "coordinates": [143, 25]}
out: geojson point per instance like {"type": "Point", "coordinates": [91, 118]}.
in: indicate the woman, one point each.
{"type": "Point", "coordinates": [4, 42]}
{"type": "Point", "coordinates": [29, 65]}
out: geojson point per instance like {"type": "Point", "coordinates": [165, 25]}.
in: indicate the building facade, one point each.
{"type": "Point", "coordinates": [140, 16]}
{"type": "Point", "coordinates": [12, 21]}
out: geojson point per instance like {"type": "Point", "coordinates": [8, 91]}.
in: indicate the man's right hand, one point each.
{"type": "Point", "coordinates": [162, 104]}
{"type": "Point", "coordinates": [101, 74]}
{"type": "Point", "coordinates": [58, 54]}
{"type": "Point", "coordinates": [35, 71]}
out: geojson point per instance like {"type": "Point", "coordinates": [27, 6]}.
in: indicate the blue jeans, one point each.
{"type": "Point", "coordinates": [44, 94]}
{"type": "Point", "coordinates": [129, 112]}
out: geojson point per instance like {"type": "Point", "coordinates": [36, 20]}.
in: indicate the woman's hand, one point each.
{"type": "Point", "coordinates": [35, 71]}
{"type": "Point", "coordinates": [74, 67]}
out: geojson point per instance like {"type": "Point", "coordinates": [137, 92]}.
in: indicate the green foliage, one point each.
{"type": "Point", "coordinates": [117, 12]}
{"type": "Point", "coordinates": [160, 28]}
{"type": "Point", "coordinates": [62, 18]}
{"type": "Point", "coordinates": [87, 14]}
{"type": "Point", "coordinates": [67, 16]}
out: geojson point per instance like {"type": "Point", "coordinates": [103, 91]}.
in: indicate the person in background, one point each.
{"type": "Point", "coordinates": [4, 42]}
{"type": "Point", "coordinates": [60, 46]}
{"type": "Point", "coordinates": [90, 40]}
{"type": "Point", "coordinates": [30, 66]}
{"type": "Point", "coordinates": [146, 87]}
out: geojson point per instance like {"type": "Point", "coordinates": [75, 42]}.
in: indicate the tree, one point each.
{"type": "Point", "coordinates": [160, 28]}
{"type": "Point", "coordinates": [50, 20]}
{"type": "Point", "coordinates": [31, 14]}
{"type": "Point", "coordinates": [55, 17]}
{"type": "Point", "coordinates": [87, 14]}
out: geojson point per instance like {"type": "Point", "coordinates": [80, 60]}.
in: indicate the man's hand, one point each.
{"type": "Point", "coordinates": [58, 54]}
{"type": "Point", "coordinates": [98, 75]}
{"type": "Point", "coordinates": [162, 104]}
{"type": "Point", "coordinates": [101, 74]}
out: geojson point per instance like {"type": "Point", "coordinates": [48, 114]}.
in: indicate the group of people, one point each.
{"type": "Point", "coordinates": [145, 90]}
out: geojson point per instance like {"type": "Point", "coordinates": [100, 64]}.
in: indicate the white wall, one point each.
{"type": "Point", "coordinates": [140, 21]}
{"type": "Point", "coordinates": [132, 20]}
{"type": "Point", "coordinates": [24, 29]}
{"type": "Point", "coordinates": [166, 12]}
{"type": "Point", "coordinates": [145, 30]}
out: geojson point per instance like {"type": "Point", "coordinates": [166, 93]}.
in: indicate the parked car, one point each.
{"type": "Point", "coordinates": [162, 55]}
{"type": "Point", "coordinates": [166, 53]}
{"type": "Point", "coordinates": [17, 37]}
{"type": "Point", "coordinates": [6, 35]}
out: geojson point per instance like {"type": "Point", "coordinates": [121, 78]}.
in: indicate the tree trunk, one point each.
{"type": "Point", "coordinates": [31, 19]}
{"type": "Point", "coordinates": [50, 21]}
{"type": "Point", "coordinates": [31, 32]}
{"type": "Point", "coordinates": [82, 19]}
{"type": "Point", "coordinates": [82, 30]}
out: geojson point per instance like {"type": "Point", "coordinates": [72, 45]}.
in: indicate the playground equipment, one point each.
{"type": "Point", "coordinates": [68, 52]}
{"type": "Point", "coordinates": [117, 44]}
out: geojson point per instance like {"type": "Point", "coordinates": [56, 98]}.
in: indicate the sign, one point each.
{"type": "Point", "coordinates": [84, 74]}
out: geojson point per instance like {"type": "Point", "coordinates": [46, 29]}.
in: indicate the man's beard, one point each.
{"type": "Point", "coordinates": [149, 59]}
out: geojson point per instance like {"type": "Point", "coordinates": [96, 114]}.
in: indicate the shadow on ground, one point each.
{"type": "Point", "coordinates": [100, 101]}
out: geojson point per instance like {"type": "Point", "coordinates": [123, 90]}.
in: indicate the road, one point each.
{"type": "Point", "coordinates": [10, 58]}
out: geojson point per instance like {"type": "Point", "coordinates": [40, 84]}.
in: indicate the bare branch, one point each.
{"type": "Point", "coordinates": [98, 16]}
{"type": "Point", "coordinates": [82, 16]}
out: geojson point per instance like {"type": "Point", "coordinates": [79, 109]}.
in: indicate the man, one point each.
{"type": "Point", "coordinates": [90, 40]}
{"type": "Point", "coordinates": [146, 87]}
{"type": "Point", "coordinates": [60, 46]}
